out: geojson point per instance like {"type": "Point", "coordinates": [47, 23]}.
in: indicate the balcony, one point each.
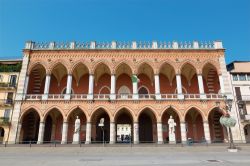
{"type": "Point", "coordinates": [7, 85]}
{"type": "Point", "coordinates": [245, 97]}
{"type": "Point", "coordinates": [6, 102]}
{"type": "Point", "coordinates": [4, 121]}
{"type": "Point", "coordinates": [124, 97]}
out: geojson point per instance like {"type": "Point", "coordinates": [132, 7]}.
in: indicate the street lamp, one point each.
{"type": "Point", "coordinates": [228, 121]}
{"type": "Point", "coordinates": [101, 124]}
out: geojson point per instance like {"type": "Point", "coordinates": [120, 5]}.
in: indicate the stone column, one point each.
{"type": "Point", "coordinates": [112, 133]}
{"type": "Point", "coordinates": [19, 128]}
{"type": "Point", "coordinates": [68, 89]}
{"type": "Point", "coordinates": [40, 133]}
{"type": "Point", "coordinates": [179, 87]}
{"type": "Point", "coordinates": [46, 87]}
{"type": "Point", "coordinates": [26, 86]}
{"type": "Point", "coordinates": [112, 91]}
{"type": "Point", "coordinates": [91, 87]}
{"type": "Point", "coordinates": [135, 90]}
{"type": "Point", "coordinates": [222, 88]}
{"type": "Point", "coordinates": [157, 87]}
{"type": "Point", "coordinates": [183, 132]}
{"type": "Point", "coordinates": [88, 133]}
{"type": "Point", "coordinates": [136, 132]}
{"type": "Point", "coordinates": [13, 133]}
{"type": "Point", "coordinates": [65, 133]}
{"type": "Point", "coordinates": [207, 131]}
{"type": "Point", "coordinates": [201, 86]}
{"type": "Point", "coordinates": [159, 133]}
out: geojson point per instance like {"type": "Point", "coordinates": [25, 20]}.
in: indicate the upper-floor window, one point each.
{"type": "Point", "coordinates": [235, 77]}
{"type": "Point", "coordinates": [7, 113]}
{"type": "Point", "coordinates": [242, 77]}
{"type": "Point", "coordinates": [1, 78]}
{"type": "Point", "coordinates": [248, 77]}
{"type": "Point", "coordinates": [13, 80]}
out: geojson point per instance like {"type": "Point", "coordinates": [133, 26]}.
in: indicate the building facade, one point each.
{"type": "Point", "coordinates": [240, 80]}
{"type": "Point", "coordinates": [133, 84]}
{"type": "Point", "coordinates": [9, 73]}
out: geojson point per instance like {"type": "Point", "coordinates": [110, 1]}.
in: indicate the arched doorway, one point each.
{"type": "Point", "coordinates": [147, 127]}
{"type": "Point", "coordinates": [216, 129]}
{"type": "Point", "coordinates": [247, 133]}
{"type": "Point", "coordinates": [166, 115]}
{"type": "Point", "coordinates": [124, 126]}
{"type": "Point", "coordinates": [97, 131]}
{"type": "Point", "coordinates": [71, 122]}
{"type": "Point", "coordinates": [30, 127]}
{"type": "Point", "coordinates": [194, 125]}
{"type": "Point", "coordinates": [53, 126]}
{"type": "Point", "coordinates": [1, 134]}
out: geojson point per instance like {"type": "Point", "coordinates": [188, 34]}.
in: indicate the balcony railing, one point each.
{"type": "Point", "coordinates": [6, 102]}
{"type": "Point", "coordinates": [245, 97]}
{"type": "Point", "coordinates": [124, 97]}
{"type": "Point", "coordinates": [7, 85]}
{"type": "Point", "coordinates": [4, 120]}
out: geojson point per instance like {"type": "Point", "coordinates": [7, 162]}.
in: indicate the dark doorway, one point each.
{"type": "Point", "coordinates": [48, 129]}
{"type": "Point", "coordinates": [30, 127]}
{"type": "Point", "coordinates": [145, 128]}
{"type": "Point", "coordinates": [106, 128]}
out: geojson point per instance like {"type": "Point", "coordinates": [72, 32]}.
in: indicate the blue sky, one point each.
{"type": "Point", "coordinates": [125, 20]}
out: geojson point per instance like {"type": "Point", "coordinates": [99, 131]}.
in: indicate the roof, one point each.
{"type": "Point", "coordinates": [239, 67]}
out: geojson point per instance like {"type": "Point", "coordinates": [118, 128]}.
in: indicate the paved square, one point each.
{"type": "Point", "coordinates": [114, 156]}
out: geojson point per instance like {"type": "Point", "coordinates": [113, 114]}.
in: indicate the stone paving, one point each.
{"type": "Point", "coordinates": [122, 156]}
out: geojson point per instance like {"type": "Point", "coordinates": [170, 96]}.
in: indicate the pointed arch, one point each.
{"type": "Point", "coordinates": [116, 113]}
{"type": "Point", "coordinates": [32, 66]}
{"type": "Point", "coordinates": [101, 108]}
{"type": "Point", "coordinates": [28, 110]}
{"type": "Point", "coordinates": [45, 114]}
{"type": "Point", "coordinates": [196, 109]}
{"type": "Point", "coordinates": [72, 109]}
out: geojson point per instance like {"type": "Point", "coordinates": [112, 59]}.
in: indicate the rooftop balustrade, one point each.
{"type": "Point", "coordinates": [122, 45]}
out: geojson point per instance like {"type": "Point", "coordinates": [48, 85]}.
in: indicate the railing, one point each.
{"type": "Point", "coordinates": [56, 96]}
{"type": "Point", "coordinates": [146, 96]}
{"type": "Point", "coordinates": [79, 96]}
{"type": "Point", "coordinates": [192, 96]}
{"type": "Point", "coordinates": [33, 96]}
{"type": "Point", "coordinates": [124, 45]}
{"type": "Point", "coordinates": [125, 96]}
{"type": "Point", "coordinates": [6, 102]}
{"type": "Point", "coordinates": [101, 96]}
{"type": "Point", "coordinates": [7, 85]}
{"type": "Point", "coordinates": [245, 97]}
{"type": "Point", "coordinates": [4, 120]}
{"type": "Point", "coordinates": [169, 96]}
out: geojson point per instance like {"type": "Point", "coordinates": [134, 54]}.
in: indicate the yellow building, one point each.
{"type": "Point", "coordinates": [9, 73]}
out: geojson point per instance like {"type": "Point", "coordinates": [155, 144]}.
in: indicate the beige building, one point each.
{"type": "Point", "coordinates": [9, 72]}
{"type": "Point", "coordinates": [240, 80]}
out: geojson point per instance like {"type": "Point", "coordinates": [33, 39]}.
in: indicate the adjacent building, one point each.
{"type": "Point", "coordinates": [134, 86]}
{"type": "Point", "coordinates": [9, 73]}
{"type": "Point", "coordinates": [240, 80]}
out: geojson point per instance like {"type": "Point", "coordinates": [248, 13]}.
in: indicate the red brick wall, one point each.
{"type": "Point", "coordinates": [104, 80]}
{"type": "Point", "coordinates": [122, 80]}
{"type": "Point", "coordinates": [83, 85]}
{"type": "Point", "coordinates": [54, 88]}
{"type": "Point", "coordinates": [145, 81]}
{"type": "Point", "coordinates": [165, 86]}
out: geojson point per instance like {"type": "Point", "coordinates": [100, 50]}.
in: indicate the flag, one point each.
{"type": "Point", "coordinates": [135, 79]}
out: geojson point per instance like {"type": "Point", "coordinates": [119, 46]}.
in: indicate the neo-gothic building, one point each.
{"type": "Point", "coordinates": [59, 81]}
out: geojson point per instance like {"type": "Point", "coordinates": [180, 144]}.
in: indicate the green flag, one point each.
{"type": "Point", "coordinates": [135, 79]}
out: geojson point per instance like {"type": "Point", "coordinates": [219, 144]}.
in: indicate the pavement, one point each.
{"type": "Point", "coordinates": [123, 156]}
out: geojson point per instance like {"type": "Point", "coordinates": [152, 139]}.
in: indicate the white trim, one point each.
{"type": "Point", "coordinates": [103, 88]}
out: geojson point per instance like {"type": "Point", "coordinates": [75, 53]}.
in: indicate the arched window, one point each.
{"type": "Point", "coordinates": [143, 90]}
